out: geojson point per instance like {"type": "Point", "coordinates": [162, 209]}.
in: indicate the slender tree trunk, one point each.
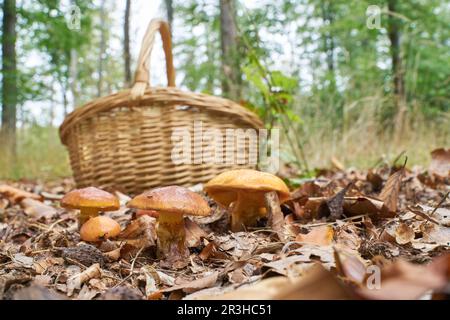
{"type": "Point", "coordinates": [169, 10]}
{"type": "Point", "coordinates": [73, 74]}
{"type": "Point", "coordinates": [102, 48]}
{"type": "Point", "coordinates": [126, 43]}
{"type": "Point", "coordinates": [64, 96]}
{"type": "Point", "coordinates": [9, 77]}
{"type": "Point", "coordinates": [231, 83]}
{"type": "Point", "coordinates": [328, 40]}
{"type": "Point", "coordinates": [52, 107]}
{"type": "Point", "coordinates": [397, 69]}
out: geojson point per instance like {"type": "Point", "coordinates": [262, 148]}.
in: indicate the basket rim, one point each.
{"type": "Point", "coordinates": [169, 95]}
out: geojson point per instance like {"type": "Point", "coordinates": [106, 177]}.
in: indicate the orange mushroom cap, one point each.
{"type": "Point", "coordinates": [171, 199]}
{"type": "Point", "coordinates": [99, 228]}
{"type": "Point", "coordinates": [224, 188]}
{"type": "Point", "coordinates": [90, 197]}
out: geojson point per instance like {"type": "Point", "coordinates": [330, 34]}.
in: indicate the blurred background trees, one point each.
{"type": "Point", "coordinates": [335, 84]}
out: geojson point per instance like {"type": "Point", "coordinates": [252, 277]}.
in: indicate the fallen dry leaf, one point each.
{"type": "Point", "coordinates": [404, 234]}
{"type": "Point", "coordinates": [350, 266]}
{"type": "Point", "coordinates": [194, 234]}
{"type": "Point", "coordinates": [375, 180]}
{"type": "Point", "coordinates": [37, 292]}
{"type": "Point", "coordinates": [435, 233]}
{"type": "Point", "coordinates": [262, 290]}
{"type": "Point", "coordinates": [37, 209]}
{"type": "Point", "coordinates": [312, 207]}
{"type": "Point", "coordinates": [333, 206]}
{"type": "Point", "coordinates": [211, 251]}
{"type": "Point", "coordinates": [195, 285]}
{"type": "Point", "coordinates": [322, 236]}
{"type": "Point", "coordinates": [354, 206]}
{"type": "Point", "coordinates": [440, 163]}
{"type": "Point", "coordinates": [121, 293]}
{"type": "Point", "coordinates": [15, 195]}
{"type": "Point", "coordinates": [315, 283]}
{"type": "Point", "coordinates": [390, 192]}
{"type": "Point", "coordinates": [151, 279]}
{"type": "Point", "coordinates": [138, 235]}
{"type": "Point", "coordinates": [405, 281]}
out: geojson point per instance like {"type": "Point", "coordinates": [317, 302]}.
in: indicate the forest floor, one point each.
{"type": "Point", "coordinates": [347, 234]}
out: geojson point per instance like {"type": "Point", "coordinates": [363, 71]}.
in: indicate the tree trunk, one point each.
{"type": "Point", "coordinates": [397, 69]}
{"type": "Point", "coordinates": [64, 96]}
{"type": "Point", "coordinates": [328, 40]}
{"type": "Point", "coordinates": [9, 78]}
{"type": "Point", "coordinates": [73, 74]}
{"type": "Point", "coordinates": [169, 10]}
{"type": "Point", "coordinates": [231, 82]}
{"type": "Point", "coordinates": [126, 43]}
{"type": "Point", "coordinates": [102, 49]}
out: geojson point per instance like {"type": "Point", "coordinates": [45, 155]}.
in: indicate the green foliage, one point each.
{"type": "Point", "coordinates": [197, 44]}
{"type": "Point", "coordinates": [40, 155]}
{"type": "Point", "coordinates": [334, 95]}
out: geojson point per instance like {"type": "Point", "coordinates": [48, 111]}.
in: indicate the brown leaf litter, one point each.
{"type": "Point", "coordinates": [327, 242]}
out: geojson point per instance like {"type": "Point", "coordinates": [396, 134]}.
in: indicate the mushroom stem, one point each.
{"type": "Point", "coordinates": [247, 209]}
{"type": "Point", "coordinates": [86, 214]}
{"type": "Point", "coordinates": [171, 237]}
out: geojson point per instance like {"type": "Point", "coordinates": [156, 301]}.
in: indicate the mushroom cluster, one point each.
{"type": "Point", "coordinates": [242, 192]}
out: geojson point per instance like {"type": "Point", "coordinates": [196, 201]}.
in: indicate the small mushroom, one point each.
{"type": "Point", "coordinates": [245, 189]}
{"type": "Point", "coordinates": [172, 203]}
{"type": "Point", "coordinates": [90, 201]}
{"type": "Point", "coordinates": [98, 229]}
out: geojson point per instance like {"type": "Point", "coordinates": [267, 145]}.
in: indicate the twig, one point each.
{"type": "Point", "coordinates": [76, 262]}
{"type": "Point", "coordinates": [332, 222]}
{"type": "Point", "coordinates": [423, 215]}
{"type": "Point", "coordinates": [440, 203]}
{"type": "Point", "coordinates": [131, 268]}
{"type": "Point", "coordinates": [56, 222]}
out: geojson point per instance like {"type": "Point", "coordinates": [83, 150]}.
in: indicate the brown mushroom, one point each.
{"type": "Point", "coordinates": [172, 203]}
{"type": "Point", "coordinates": [98, 229]}
{"type": "Point", "coordinates": [245, 189]}
{"type": "Point", "coordinates": [90, 201]}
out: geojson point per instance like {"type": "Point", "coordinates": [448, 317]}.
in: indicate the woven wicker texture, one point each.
{"type": "Point", "coordinates": [124, 141]}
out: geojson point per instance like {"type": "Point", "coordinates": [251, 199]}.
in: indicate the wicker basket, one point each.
{"type": "Point", "coordinates": [123, 141]}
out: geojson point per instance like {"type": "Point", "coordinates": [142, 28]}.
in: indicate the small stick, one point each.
{"type": "Point", "coordinates": [332, 222]}
{"type": "Point", "coordinates": [440, 203]}
{"type": "Point", "coordinates": [131, 268]}
{"type": "Point", "coordinates": [75, 281]}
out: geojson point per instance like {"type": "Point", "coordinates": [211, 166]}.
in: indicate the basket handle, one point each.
{"type": "Point", "coordinates": [142, 74]}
